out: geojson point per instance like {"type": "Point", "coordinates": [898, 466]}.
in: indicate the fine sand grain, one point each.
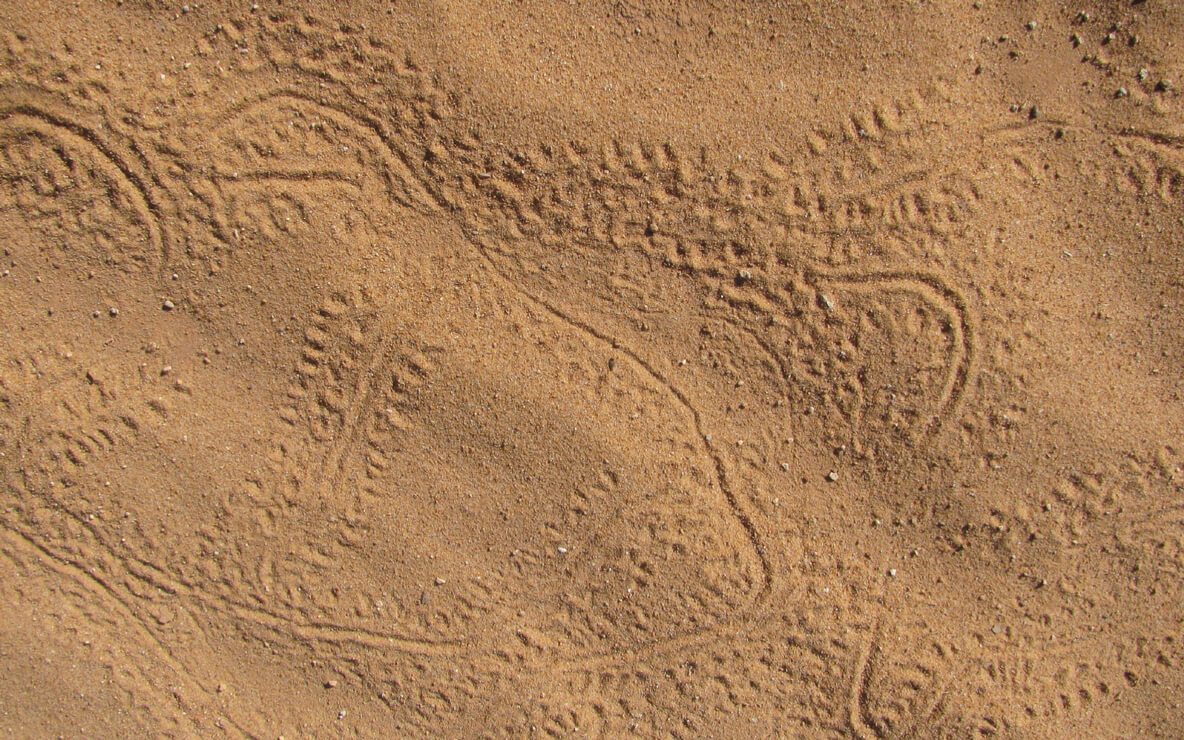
{"type": "Point", "coordinates": [694, 370]}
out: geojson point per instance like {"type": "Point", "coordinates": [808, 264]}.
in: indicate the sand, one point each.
{"type": "Point", "coordinates": [699, 370]}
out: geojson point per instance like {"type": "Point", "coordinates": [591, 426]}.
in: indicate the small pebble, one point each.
{"type": "Point", "coordinates": [166, 369]}
{"type": "Point", "coordinates": [892, 572]}
{"type": "Point", "coordinates": [1122, 92]}
{"type": "Point", "coordinates": [341, 714]}
{"type": "Point", "coordinates": [832, 476]}
{"type": "Point", "coordinates": [331, 684]}
{"type": "Point", "coordinates": [1142, 75]}
{"type": "Point", "coordinates": [1031, 26]}
{"type": "Point", "coordinates": [440, 581]}
{"type": "Point", "coordinates": [167, 306]}
{"type": "Point", "coordinates": [113, 311]}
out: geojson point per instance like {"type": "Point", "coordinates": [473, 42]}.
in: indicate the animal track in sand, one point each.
{"type": "Point", "coordinates": [73, 188]}
{"type": "Point", "coordinates": [580, 489]}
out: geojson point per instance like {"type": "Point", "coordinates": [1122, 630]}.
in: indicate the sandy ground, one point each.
{"type": "Point", "coordinates": [477, 369]}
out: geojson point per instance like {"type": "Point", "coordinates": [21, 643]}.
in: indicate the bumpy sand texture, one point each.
{"type": "Point", "coordinates": [535, 371]}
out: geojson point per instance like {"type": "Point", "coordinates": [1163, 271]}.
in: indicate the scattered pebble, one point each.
{"type": "Point", "coordinates": [166, 369]}
{"type": "Point", "coordinates": [832, 476]}
{"type": "Point", "coordinates": [892, 572]}
{"type": "Point", "coordinates": [1142, 75]}
{"type": "Point", "coordinates": [331, 684]}
{"type": "Point", "coordinates": [440, 581]}
{"type": "Point", "coordinates": [113, 311]}
{"type": "Point", "coordinates": [167, 306]}
{"type": "Point", "coordinates": [1031, 25]}
{"type": "Point", "coordinates": [341, 714]}
{"type": "Point", "coordinates": [1122, 92]}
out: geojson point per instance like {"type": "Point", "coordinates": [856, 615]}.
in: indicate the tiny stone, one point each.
{"type": "Point", "coordinates": [1034, 113]}
{"type": "Point", "coordinates": [341, 714]}
{"type": "Point", "coordinates": [892, 572]}
{"type": "Point", "coordinates": [1076, 40]}
{"type": "Point", "coordinates": [167, 306]}
{"type": "Point", "coordinates": [440, 581]}
{"type": "Point", "coordinates": [331, 684]}
{"type": "Point", "coordinates": [166, 369]}
{"type": "Point", "coordinates": [562, 550]}
{"type": "Point", "coordinates": [832, 476]}
{"type": "Point", "coordinates": [1108, 39]}
{"type": "Point", "coordinates": [1031, 26]}
{"type": "Point", "coordinates": [113, 311]}
{"type": "Point", "coordinates": [785, 466]}
{"type": "Point", "coordinates": [1142, 75]}
{"type": "Point", "coordinates": [1122, 92]}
